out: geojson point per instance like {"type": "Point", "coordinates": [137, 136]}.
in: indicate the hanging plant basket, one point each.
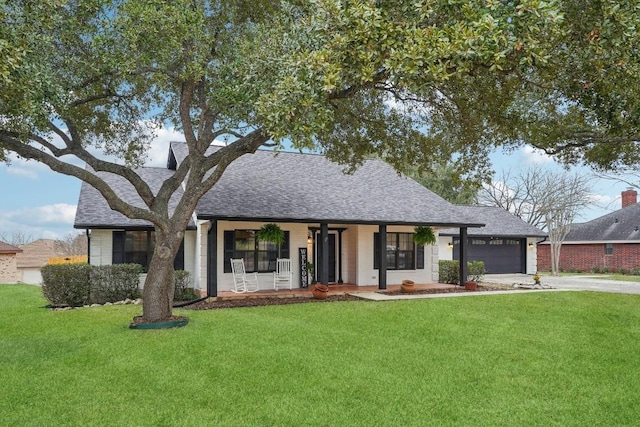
{"type": "Point", "coordinates": [424, 235]}
{"type": "Point", "coordinates": [271, 233]}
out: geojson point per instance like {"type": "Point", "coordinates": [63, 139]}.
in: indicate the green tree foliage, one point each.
{"type": "Point", "coordinates": [408, 80]}
{"type": "Point", "coordinates": [449, 183]}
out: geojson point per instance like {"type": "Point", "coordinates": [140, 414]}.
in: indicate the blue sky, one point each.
{"type": "Point", "coordinates": [40, 203]}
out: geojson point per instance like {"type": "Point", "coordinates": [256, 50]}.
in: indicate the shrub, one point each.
{"type": "Point", "coordinates": [66, 284]}
{"type": "Point", "coordinates": [182, 290]}
{"type": "Point", "coordinates": [635, 271]}
{"type": "Point", "coordinates": [623, 271]}
{"type": "Point", "coordinates": [117, 282]}
{"type": "Point", "coordinates": [449, 271]}
{"type": "Point", "coordinates": [475, 270]}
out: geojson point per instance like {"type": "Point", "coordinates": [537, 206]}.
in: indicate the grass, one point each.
{"type": "Point", "coordinates": [563, 358]}
{"type": "Point", "coordinates": [603, 276]}
{"type": "Point", "coordinates": [621, 277]}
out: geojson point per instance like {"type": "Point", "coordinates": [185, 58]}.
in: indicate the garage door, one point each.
{"type": "Point", "coordinates": [500, 255]}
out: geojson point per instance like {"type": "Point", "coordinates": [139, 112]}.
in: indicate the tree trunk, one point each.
{"type": "Point", "coordinates": [555, 258]}
{"type": "Point", "coordinates": [158, 286]}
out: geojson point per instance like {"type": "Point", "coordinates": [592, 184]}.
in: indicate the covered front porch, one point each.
{"type": "Point", "coordinates": [360, 257]}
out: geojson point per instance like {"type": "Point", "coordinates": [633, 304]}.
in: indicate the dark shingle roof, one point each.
{"type": "Point", "coordinates": [621, 225]}
{"type": "Point", "coordinates": [308, 187]}
{"type": "Point", "coordinates": [499, 222]}
{"type": "Point", "coordinates": [94, 212]}
{"type": "Point", "coordinates": [292, 187]}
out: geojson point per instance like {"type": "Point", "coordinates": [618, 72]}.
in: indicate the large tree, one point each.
{"type": "Point", "coordinates": [408, 80]}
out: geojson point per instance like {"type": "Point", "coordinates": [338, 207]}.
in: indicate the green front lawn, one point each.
{"type": "Point", "coordinates": [562, 358]}
{"type": "Point", "coordinates": [603, 276]}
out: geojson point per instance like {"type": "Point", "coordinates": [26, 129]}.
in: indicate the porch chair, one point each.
{"type": "Point", "coordinates": [282, 277]}
{"type": "Point", "coordinates": [243, 281]}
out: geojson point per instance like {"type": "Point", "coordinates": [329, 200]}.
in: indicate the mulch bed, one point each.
{"type": "Point", "coordinates": [258, 302]}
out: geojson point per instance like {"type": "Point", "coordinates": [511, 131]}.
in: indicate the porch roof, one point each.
{"type": "Point", "coordinates": [295, 187]}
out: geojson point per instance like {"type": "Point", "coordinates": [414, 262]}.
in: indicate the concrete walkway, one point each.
{"type": "Point", "coordinates": [580, 283]}
{"type": "Point", "coordinates": [560, 284]}
{"type": "Point", "coordinates": [375, 296]}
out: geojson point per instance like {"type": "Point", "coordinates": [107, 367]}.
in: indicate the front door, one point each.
{"type": "Point", "coordinates": [332, 257]}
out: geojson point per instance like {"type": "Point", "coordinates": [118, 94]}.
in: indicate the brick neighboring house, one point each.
{"type": "Point", "coordinates": [611, 241]}
{"type": "Point", "coordinates": [8, 266]}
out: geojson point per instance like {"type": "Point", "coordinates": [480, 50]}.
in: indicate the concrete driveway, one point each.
{"type": "Point", "coordinates": [584, 283]}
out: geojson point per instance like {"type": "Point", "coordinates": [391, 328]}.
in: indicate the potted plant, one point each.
{"type": "Point", "coordinates": [320, 291]}
{"type": "Point", "coordinates": [476, 272]}
{"type": "Point", "coordinates": [271, 233]}
{"type": "Point", "coordinates": [424, 235]}
{"type": "Point", "coordinates": [408, 286]}
{"type": "Point", "coordinates": [310, 270]}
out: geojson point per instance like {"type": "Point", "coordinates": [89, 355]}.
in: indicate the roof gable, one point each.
{"type": "Point", "coordinates": [6, 248]}
{"type": "Point", "coordinates": [498, 222]}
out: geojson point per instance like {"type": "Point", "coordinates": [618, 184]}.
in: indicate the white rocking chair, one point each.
{"type": "Point", "coordinates": [282, 277]}
{"type": "Point", "coordinates": [243, 281]}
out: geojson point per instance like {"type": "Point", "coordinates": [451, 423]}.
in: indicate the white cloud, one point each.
{"type": "Point", "coordinates": [23, 172]}
{"type": "Point", "coordinates": [55, 214]}
{"type": "Point", "coordinates": [48, 221]}
{"type": "Point", "coordinates": [59, 213]}
{"type": "Point", "coordinates": [159, 149]}
{"type": "Point", "coordinates": [25, 168]}
{"type": "Point", "coordinates": [534, 156]}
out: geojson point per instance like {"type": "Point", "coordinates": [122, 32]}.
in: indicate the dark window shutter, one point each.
{"type": "Point", "coordinates": [285, 251]}
{"type": "Point", "coordinates": [376, 250]}
{"type": "Point", "coordinates": [178, 262]}
{"type": "Point", "coordinates": [117, 252]}
{"type": "Point", "coordinates": [229, 243]}
{"type": "Point", "coordinates": [420, 257]}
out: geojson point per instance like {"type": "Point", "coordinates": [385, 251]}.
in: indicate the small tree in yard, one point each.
{"type": "Point", "coordinates": [545, 199]}
{"type": "Point", "coordinates": [409, 81]}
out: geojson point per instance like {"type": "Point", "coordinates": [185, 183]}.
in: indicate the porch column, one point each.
{"type": "Point", "coordinates": [324, 253]}
{"type": "Point", "coordinates": [212, 257]}
{"type": "Point", "coordinates": [382, 261]}
{"type": "Point", "coordinates": [340, 256]}
{"type": "Point", "coordinates": [88, 246]}
{"type": "Point", "coordinates": [463, 255]}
